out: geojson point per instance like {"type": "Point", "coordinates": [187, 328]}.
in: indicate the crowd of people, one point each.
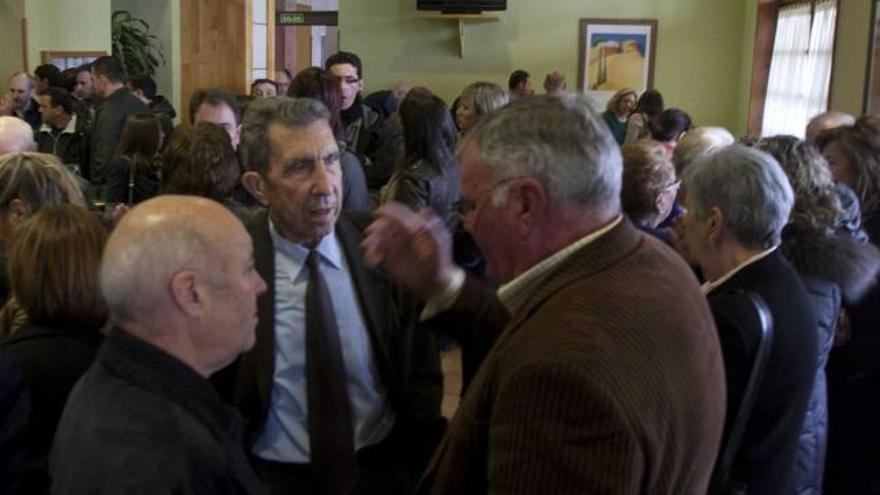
{"type": "Point", "coordinates": [255, 301]}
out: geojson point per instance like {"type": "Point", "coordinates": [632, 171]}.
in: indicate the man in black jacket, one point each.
{"type": "Point", "coordinates": [20, 101]}
{"type": "Point", "coordinates": [118, 103]}
{"type": "Point", "coordinates": [144, 89]}
{"type": "Point", "coordinates": [63, 133]}
{"type": "Point", "coordinates": [377, 142]}
{"type": "Point", "coordinates": [179, 281]}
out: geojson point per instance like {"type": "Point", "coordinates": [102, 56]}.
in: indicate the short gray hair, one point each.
{"type": "Point", "coordinates": [749, 187]}
{"type": "Point", "coordinates": [134, 276]}
{"type": "Point", "coordinates": [698, 142]}
{"type": "Point", "coordinates": [255, 148]}
{"type": "Point", "coordinates": [558, 140]}
{"type": "Point", "coordinates": [483, 97]}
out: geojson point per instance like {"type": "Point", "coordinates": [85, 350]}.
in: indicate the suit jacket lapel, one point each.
{"type": "Point", "coordinates": [373, 292]}
{"type": "Point", "coordinates": [263, 354]}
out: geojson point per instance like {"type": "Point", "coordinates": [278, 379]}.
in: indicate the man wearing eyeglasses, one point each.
{"type": "Point", "coordinates": [377, 142]}
{"type": "Point", "coordinates": [590, 378]}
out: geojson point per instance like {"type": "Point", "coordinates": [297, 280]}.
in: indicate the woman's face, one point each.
{"type": "Point", "coordinates": [842, 170]}
{"type": "Point", "coordinates": [465, 117]}
{"type": "Point", "coordinates": [627, 104]}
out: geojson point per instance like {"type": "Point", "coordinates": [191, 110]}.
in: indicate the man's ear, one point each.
{"type": "Point", "coordinates": [18, 212]}
{"type": "Point", "coordinates": [716, 225]}
{"type": "Point", "coordinates": [187, 294]}
{"type": "Point", "coordinates": [254, 183]}
{"type": "Point", "coordinates": [530, 201]}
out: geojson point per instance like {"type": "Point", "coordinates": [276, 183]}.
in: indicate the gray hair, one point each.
{"type": "Point", "coordinates": [135, 270]}
{"type": "Point", "coordinates": [558, 140]}
{"type": "Point", "coordinates": [16, 135]}
{"type": "Point", "coordinates": [483, 97]}
{"type": "Point", "coordinates": [38, 179]}
{"type": "Point", "coordinates": [749, 187]}
{"type": "Point", "coordinates": [698, 142]}
{"type": "Point", "coordinates": [255, 148]}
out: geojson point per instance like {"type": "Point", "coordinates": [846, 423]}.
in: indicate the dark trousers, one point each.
{"type": "Point", "coordinates": [383, 468]}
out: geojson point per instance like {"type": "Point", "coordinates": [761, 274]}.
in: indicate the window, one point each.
{"type": "Point", "coordinates": [800, 67]}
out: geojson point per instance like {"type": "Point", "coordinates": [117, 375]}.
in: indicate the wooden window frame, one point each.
{"type": "Point", "coordinates": [765, 33]}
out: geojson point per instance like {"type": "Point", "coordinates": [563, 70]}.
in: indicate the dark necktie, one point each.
{"type": "Point", "coordinates": [331, 433]}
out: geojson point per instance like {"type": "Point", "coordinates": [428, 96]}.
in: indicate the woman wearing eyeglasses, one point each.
{"type": "Point", "coordinates": [649, 186]}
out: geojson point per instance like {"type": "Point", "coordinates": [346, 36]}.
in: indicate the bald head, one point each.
{"type": "Point", "coordinates": [16, 136]}
{"type": "Point", "coordinates": [21, 87]}
{"type": "Point", "coordinates": [152, 242]}
{"type": "Point", "coordinates": [827, 120]}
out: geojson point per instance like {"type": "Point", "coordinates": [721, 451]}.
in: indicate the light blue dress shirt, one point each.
{"type": "Point", "coordinates": [286, 436]}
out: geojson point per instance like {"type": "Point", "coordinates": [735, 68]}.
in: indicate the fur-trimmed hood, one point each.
{"type": "Point", "coordinates": [842, 259]}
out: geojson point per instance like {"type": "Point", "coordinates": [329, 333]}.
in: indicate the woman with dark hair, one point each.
{"type": "Point", "coordinates": [649, 107]}
{"type": "Point", "coordinates": [617, 112]}
{"type": "Point", "coordinates": [669, 127]}
{"type": "Point", "coordinates": [833, 266]}
{"type": "Point", "coordinates": [317, 84]}
{"type": "Point", "coordinates": [428, 174]}
{"type": "Point", "coordinates": [201, 162]}
{"type": "Point", "coordinates": [853, 153]}
{"type": "Point", "coordinates": [53, 267]}
{"type": "Point", "coordinates": [134, 172]}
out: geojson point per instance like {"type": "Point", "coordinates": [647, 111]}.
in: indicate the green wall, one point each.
{"type": "Point", "coordinates": [66, 25]}
{"type": "Point", "coordinates": [699, 49]}
{"type": "Point", "coordinates": [850, 56]}
{"type": "Point", "coordinates": [11, 13]}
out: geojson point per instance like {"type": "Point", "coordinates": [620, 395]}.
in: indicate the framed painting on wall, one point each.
{"type": "Point", "coordinates": [872, 76]}
{"type": "Point", "coordinates": [616, 54]}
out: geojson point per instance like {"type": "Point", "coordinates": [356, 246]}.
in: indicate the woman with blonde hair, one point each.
{"type": "Point", "coordinates": [53, 268]}
{"type": "Point", "coordinates": [476, 100]}
{"type": "Point", "coordinates": [618, 110]}
{"type": "Point", "coordinates": [649, 186]}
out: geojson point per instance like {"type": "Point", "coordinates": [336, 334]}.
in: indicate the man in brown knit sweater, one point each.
{"type": "Point", "coordinates": [598, 368]}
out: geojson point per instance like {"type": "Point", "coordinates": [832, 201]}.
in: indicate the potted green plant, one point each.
{"type": "Point", "coordinates": [139, 51]}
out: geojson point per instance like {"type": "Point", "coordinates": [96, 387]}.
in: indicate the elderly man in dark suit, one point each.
{"type": "Point", "coordinates": [738, 200]}
{"type": "Point", "coordinates": [341, 395]}
{"type": "Point", "coordinates": [595, 380]}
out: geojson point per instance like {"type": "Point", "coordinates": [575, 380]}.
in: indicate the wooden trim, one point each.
{"type": "Point", "coordinates": [866, 98]}
{"type": "Point", "coordinates": [24, 44]}
{"type": "Point", "coordinates": [249, 38]}
{"type": "Point", "coordinates": [270, 39]}
{"type": "Point", "coordinates": [831, 75]}
{"type": "Point", "coordinates": [583, 51]}
{"type": "Point", "coordinates": [765, 33]}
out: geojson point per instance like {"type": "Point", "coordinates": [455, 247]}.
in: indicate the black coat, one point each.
{"type": "Point", "coordinates": [419, 185]}
{"type": "Point", "coordinates": [121, 189]}
{"type": "Point", "coordinates": [832, 267]}
{"type": "Point", "coordinates": [165, 113]}
{"type": "Point", "coordinates": [110, 117]}
{"type": "Point", "coordinates": [140, 421]}
{"type": "Point", "coordinates": [15, 408]}
{"type": "Point", "coordinates": [72, 148]}
{"type": "Point", "coordinates": [355, 195]}
{"type": "Point", "coordinates": [769, 446]}
{"type": "Point", "coordinates": [51, 361]}
{"type": "Point", "coordinates": [376, 141]}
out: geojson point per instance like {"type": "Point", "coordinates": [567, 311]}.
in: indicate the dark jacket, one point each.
{"type": "Point", "coordinates": [769, 446]}
{"type": "Point", "coordinates": [140, 421]}
{"type": "Point", "coordinates": [31, 114]}
{"type": "Point", "coordinates": [70, 145]}
{"type": "Point", "coordinates": [163, 111]}
{"type": "Point", "coordinates": [122, 187]}
{"type": "Point", "coordinates": [15, 408]}
{"type": "Point", "coordinates": [110, 116]}
{"type": "Point", "coordinates": [406, 359]}
{"type": "Point", "coordinates": [831, 267]}
{"type": "Point", "coordinates": [617, 128]}
{"type": "Point", "coordinates": [51, 361]}
{"type": "Point", "coordinates": [420, 185]}
{"type": "Point", "coordinates": [377, 142]}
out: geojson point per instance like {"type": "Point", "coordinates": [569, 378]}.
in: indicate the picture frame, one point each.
{"type": "Point", "coordinates": [615, 54]}
{"type": "Point", "coordinates": [872, 70]}
{"type": "Point", "coordinates": [67, 59]}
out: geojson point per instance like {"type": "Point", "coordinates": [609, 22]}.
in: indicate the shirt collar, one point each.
{"type": "Point", "coordinates": [328, 248]}
{"type": "Point", "coordinates": [70, 129]}
{"type": "Point", "coordinates": [714, 284]}
{"type": "Point", "coordinates": [513, 293]}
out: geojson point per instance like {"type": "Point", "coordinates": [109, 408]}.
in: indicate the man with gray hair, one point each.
{"type": "Point", "coordinates": [179, 280]}
{"type": "Point", "coordinates": [827, 120]}
{"type": "Point", "coordinates": [16, 136]}
{"type": "Point", "coordinates": [738, 200]}
{"type": "Point", "coordinates": [342, 395]}
{"type": "Point", "coordinates": [20, 101]}
{"type": "Point", "coordinates": [588, 359]}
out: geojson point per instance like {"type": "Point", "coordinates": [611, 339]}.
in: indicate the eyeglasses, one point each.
{"type": "Point", "coordinates": [463, 207]}
{"type": "Point", "coordinates": [672, 187]}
